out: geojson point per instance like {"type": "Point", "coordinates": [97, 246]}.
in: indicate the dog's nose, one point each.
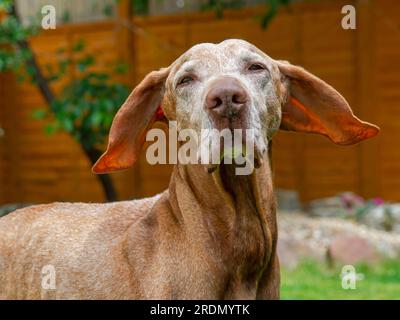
{"type": "Point", "coordinates": [226, 98]}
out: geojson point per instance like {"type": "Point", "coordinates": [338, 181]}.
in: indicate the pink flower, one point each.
{"type": "Point", "coordinates": [378, 201]}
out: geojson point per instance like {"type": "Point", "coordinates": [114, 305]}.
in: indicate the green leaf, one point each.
{"type": "Point", "coordinates": [67, 124]}
{"type": "Point", "coordinates": [96, 118]}
{"type": "Point", "coordinates": [78, 46]}
{"type": "Point", "coordinates": [39, 114]}
{"type": "Point", "coordinates": [121, 68]}
{"type": "Point", "coordinates": [51, 128]}
{"type": "Point", "coordinates": [87, 61]}
{"type": "Point", "coordinates": [140, 6]}
{"type": "Point", "coordinates": [108, 10]}
{"type": "Point", "coordinates": [61, 51]}
{"type": "Point", "coordinates": [66, 17]}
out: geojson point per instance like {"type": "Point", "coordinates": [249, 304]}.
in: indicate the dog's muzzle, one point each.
{"type": "Point", "coordinates": [226, 103]}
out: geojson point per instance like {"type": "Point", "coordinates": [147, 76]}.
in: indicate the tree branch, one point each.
{"type": "Point", "coordinates": [49, 96]}
{"type": "Point", "coordinates": [40, 79]}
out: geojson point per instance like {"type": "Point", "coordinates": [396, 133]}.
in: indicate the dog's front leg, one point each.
{"type": "Point", "coordinates": [269, 285]}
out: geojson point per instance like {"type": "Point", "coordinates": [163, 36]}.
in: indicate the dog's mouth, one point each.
{"type": "Point", "coordinates": [238, 159]}
{"type": "Point", "coordinates": [240, 148]}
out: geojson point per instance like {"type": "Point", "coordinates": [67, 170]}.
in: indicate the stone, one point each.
{"type": "Point", "coordinates": [352, 249]}
{"type": "Point", "coordinates": [342, 205]}
{"type": "Point", "coordinates": [288, 200]}
{"type": "Point", "coordinates": [291, 251]}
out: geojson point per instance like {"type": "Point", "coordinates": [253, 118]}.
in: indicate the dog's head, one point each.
{"type": "Point", "coordinates": [231, 85]}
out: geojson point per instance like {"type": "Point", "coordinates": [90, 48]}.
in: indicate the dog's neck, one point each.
{"type": "Point", "coordinates": [233, 216]}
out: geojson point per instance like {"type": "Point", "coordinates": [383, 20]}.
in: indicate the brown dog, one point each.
{"type": "Point", "coordinates": [213, 233]}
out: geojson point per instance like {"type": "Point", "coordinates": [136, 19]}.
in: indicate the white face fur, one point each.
{"type": "Point", "coordinates": [194, 73]}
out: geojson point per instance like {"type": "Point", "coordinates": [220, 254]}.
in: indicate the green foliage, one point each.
{"type": "Point", "coordinates": [87, 104]}
{"type": "Point", "coordinates": [272, 11]}
{"type": "Point", "coordinates": [15, 57]}
{"type": "Point", "coordinates": [12, 57]}
{"type": "Point", "coordinates": [66, 16]}
{"type": "Point", "coordinates": [218, 6]}
{"type": "Point", "coordinates": [5, 5]}
{"type": "Point", "coordinates": [313, 280]}
{"type": "Point", "coordinates": [108, 10]}
{"type": "Point", "coordinates": [140, 6]}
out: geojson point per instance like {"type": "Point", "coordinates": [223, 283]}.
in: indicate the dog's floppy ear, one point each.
{"type": "Point", "coordinates": [128, 130]}
{"type": "Point", "coordinates": [314, 106]}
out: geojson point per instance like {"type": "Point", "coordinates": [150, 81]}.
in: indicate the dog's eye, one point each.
{"type": "Point", "coordinates": [185, 80]}
{"type": "Point", "coordinates": [256, 67]}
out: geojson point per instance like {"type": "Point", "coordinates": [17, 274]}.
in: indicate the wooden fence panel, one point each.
{"type": "Point", "coordinates": [386, 84]}
{"type": "Point", "coordinates": [327, 51]}
{"type": "Point", "coordinates": [49, 168]}
{"type": "Point", "coordinates": [75, 10]}
{"type": "Point", "coordinates": [7, 142]}
{"type": "Point", "coordinates": [2, 143]}
{"type": "Point", "coordinates": [359, 63]}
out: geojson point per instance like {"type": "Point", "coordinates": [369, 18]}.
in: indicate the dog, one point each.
{"type": "Point", "coordinates": [213, 233]}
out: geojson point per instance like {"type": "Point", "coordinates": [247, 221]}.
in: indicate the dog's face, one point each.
{"type": "Point", "coordinates": [227, 86]}
{"type": "Point", "coordinates": [230, 85]}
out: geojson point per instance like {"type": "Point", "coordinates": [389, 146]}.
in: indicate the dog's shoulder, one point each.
{"type": "Point", "coordinates": [75, 217]}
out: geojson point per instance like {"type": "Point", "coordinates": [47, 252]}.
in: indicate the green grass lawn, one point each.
{"type": "Point", "coordinates": [312, 280]}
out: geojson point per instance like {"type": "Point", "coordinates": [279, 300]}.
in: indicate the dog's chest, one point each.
{"type": "Point", "coordinates": [246, 258]}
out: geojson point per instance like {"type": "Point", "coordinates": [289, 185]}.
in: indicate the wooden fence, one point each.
{"type": "Point", "coordinates": [360, 63]}
{"type": "Point", "coordinates": [71, 10]}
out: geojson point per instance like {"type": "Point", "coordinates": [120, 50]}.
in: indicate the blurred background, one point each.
{"type": "Point", "coordinates": [59, 90]}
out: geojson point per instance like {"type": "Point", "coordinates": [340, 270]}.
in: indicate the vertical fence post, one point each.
{"type": "Point", "coordinates": [125, 36]}
{"type": "Point", "coordinates": [2, 144]}
{"type": "Point", "coordinates": [365, 96]}
{"type": "Point", "coordinates": [298, 156]}
{"type": "Point", "coordinates": [9, 143]}
{"type": "Point", "coordinates": [127, 55]}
